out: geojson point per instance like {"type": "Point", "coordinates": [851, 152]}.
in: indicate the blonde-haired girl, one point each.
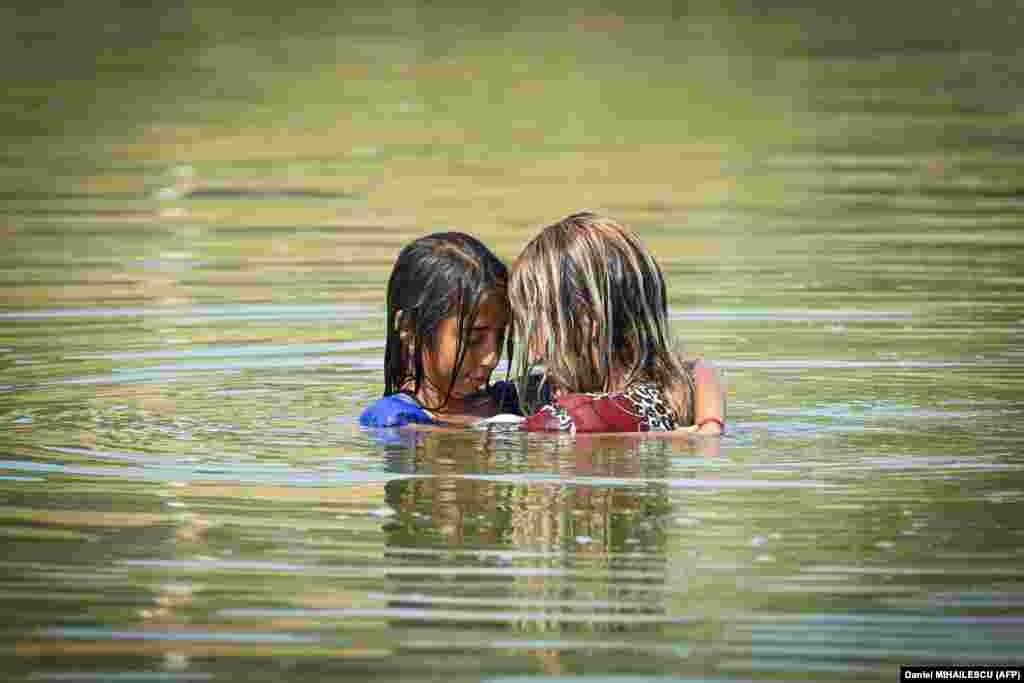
{"type": "Point", "coordinates": [590, 305]}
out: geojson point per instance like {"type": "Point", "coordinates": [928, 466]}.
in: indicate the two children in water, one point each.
{"type": "Point", "coordinates": [587, 304]}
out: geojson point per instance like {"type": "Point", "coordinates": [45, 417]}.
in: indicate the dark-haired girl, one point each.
{"type": "Point", "coordinates": [448, 314]}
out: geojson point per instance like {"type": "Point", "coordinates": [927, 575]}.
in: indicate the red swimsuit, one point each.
{"type": "Point", "coordinates": [640, 408]}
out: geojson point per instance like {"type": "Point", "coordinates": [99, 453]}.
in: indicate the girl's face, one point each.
{"type": "Point", "coordinates": [482, 346]}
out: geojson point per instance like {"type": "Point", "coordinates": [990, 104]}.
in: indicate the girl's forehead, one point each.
{"type": "Point", "coordinates": [494, 304]}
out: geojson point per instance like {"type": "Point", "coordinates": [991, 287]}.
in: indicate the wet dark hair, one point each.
{"type": "Point", "coordinates": [435, 277]}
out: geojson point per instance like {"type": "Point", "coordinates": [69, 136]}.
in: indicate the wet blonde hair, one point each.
{"type": "Point", "coordinates": [590, 300]}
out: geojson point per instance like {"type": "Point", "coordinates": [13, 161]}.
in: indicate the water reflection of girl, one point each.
{"type": "Point", "coordinates": [546, 535]}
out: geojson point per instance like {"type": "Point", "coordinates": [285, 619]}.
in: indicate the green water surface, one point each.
{"type": "Point", "coordinates": [200, 207]}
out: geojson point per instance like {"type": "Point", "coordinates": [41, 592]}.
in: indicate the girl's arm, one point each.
{"type": "Point", "coordinates": [709, 400]}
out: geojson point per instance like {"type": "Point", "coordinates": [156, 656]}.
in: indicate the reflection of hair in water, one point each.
{"type": "Point", "coordinates": [589, 533]}
{"type": "Point", "coordinates": [447, 509]}
{"type": "Point", "coordinates": [447, 520]}
{"type": "Point", "coordinates": [596, 529]}
{"type": "Point", "coordinates": [591, 301]}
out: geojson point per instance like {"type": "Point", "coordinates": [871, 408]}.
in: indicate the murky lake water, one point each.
{"type": "Point", "coordinates": [200, 215]}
